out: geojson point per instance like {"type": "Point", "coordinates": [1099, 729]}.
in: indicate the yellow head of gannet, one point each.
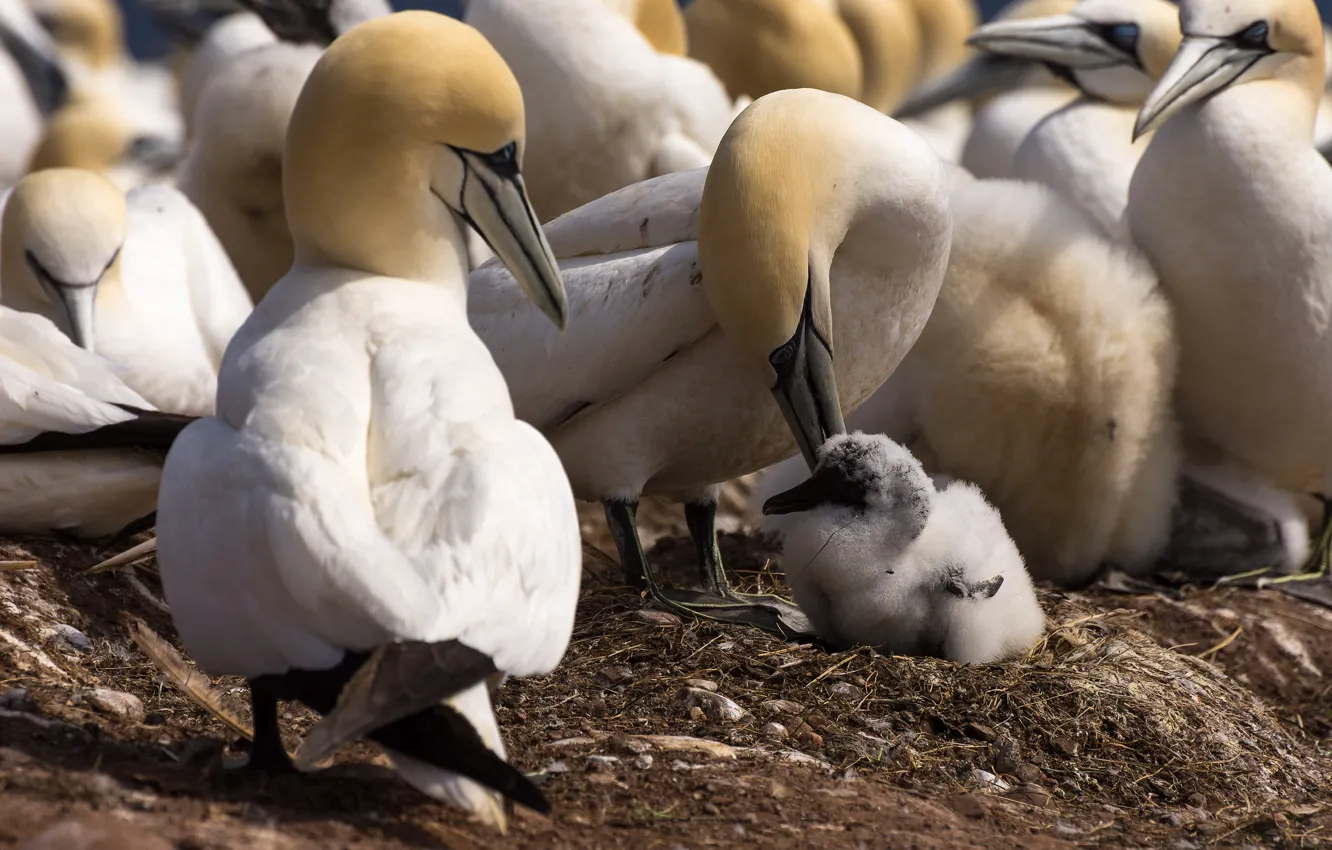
{"type": "Point", "coordinates": [659, 21]}
{"type": "Point", "coordinates": [60, 247]}
{"type": "Point", "coordinates": [775, 209]}
{"type": "Point", "coordinates": [889, 43]}
{"type": "Point", "coordinates": [760, 46]}
{"type": "Point", "coordinates": [1112, 50]}
{"type": "Point", "coordinates": [385, 115]}
{"type": "Point", "coordinates": [944, 26]}
{"type": "Point", "coordinates": [89, 31]}
{"type": "Point", "coordinates": [92, 133]}
{"type": "Point", "coordinates": [1240, 41]}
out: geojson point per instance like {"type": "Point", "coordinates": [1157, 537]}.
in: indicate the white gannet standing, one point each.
{"type": "Point", "coordinates": [823, 235]}
{"type": "Point", "coordinates": [604, 108]}
{"type": "Point", "coordinates": [1233, 205]}
{"type": "Point", "coordinates": [32, 86]}
{"type": "Point", "coordinates": [1113, 51]}
{"type": "Point", "coordinates": [876, 556]}
{"type": "Point", "coordinates": [82, 452]}
{"type": "Point", "coordinates": [140, 280]}
{"type": "Point", "coordinates": [364, 491]}
{"type": "Point", "coordinates": [1044, 377]}
{"type": "Point", "coordinates": [1010, 97]}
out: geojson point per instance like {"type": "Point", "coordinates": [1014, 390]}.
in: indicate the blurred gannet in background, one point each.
{"type": "Point", "coordinates": [1113, 51]}
{"type": "Point", "coordinates": [1233, 206]}
{"type": "Point", "coordinates": [82, 451]}
{"type": "Point", "coordinates": [942, 27]}
{"type": "Point", "coordinates": [658, 21]}
{"type": "Point", "coordinates": [90, 37]}
{"type": "Point", "coordinates": [32, 86]}
{"type": "Point", "coordinates": [761, 46]}
{"type": "Point", "coordinates": [140, 280]}
{"type": "Point", "coordinates": [889, 44]}
{"type": "Point", "coordinates": [1010, 96]}
{"type": "Point", "coordinates": [222, 42]}
{"type": "Point", "coordinates": [92, 133]}
{"type": "Point", "coordinates": [604, 108]}
{"type": "Point", "coordinates": [364, 491]}
{"type": "Point", "coordinates": [1044, 377]}
{"type": "Point", "coordinates": [876, 556]}
{"type": "Point", "coordinates": [823, 235]}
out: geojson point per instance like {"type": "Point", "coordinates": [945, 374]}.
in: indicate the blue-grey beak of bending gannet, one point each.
{"type": "Point", "coordinates": [364, 526]}
{"type": "Point", "coordinates": [1233, 206]}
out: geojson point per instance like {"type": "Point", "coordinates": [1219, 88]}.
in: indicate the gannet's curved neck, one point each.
{"type": "Point", "coordinates": [373, 212]}
{"type": "Point", "coordinates": [1275, 114]}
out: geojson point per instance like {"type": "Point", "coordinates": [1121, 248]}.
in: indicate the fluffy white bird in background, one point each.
{"type": "Point", "coordinates": [33, 86]}
{"type": "Point", "coordinates": [877, 556]}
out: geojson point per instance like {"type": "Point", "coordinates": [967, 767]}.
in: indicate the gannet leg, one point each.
{"type": "Point", "coordinates": [622, 517]}
{"type": "Point", "coordinates": [266, 750]}
{"type": "Point", "coordinates": [1231, 522]}
{"type": "Point", "coordinates": [1315, 584]}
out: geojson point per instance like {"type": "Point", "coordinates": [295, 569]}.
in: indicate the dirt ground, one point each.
{"type": "Point", "coordinates": [1172, 719]}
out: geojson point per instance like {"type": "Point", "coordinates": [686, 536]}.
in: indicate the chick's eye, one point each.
{"type": "Point", "coordinates": [1253, 36]}
{"type": "Point", "coordinates": [1123, 36]}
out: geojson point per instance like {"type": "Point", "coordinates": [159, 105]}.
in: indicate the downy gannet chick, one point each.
{"type": "Point", "coordinates": [1233, 206]}
{"type": "Point", "coordinates": [141, 280]}
{"type": "Point", "coordinates": [604, 108]}
{"type": "Point", "coordinates": [364, 495]}
{"type": "Point", "coordinates": [823, 227]}
{"type": "Point", "coordinates": [32, 86]}
{"type": "Point", "coordinates": [876, 556]}
{"type": "Point", "coordinates": [1113, 51]}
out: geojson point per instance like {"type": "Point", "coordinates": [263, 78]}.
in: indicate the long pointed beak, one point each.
{"type": "Point", "coordinates": [45, 78]}
{"type": "Point", "coordinates": [79, 302]}
{"type": "Point", "coordinates": [1063, 40]}
{"type": "Point", "coordinates": [806, 387]}
{"type": "Point", "coordinates": [983, 74]}
{"type": "Point", "coordinates": [1203, 66]}
{"type": "Point", "coordinates": [496, 205]}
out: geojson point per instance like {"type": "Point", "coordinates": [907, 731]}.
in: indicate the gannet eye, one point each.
{"type": "Point", "coordinates": [504, 161]}
{"type": "Point", "coordinates": [1254, 36]}
{"type": "Point", "coordinates": [1122, 36]}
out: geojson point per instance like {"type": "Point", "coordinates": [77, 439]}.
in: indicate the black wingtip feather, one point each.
{"type": "Point", "coordinates": [151, 430]}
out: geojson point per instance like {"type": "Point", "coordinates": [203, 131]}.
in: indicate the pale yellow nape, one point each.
{"type": "Point", "coordinates": [944, 27]}
{"type": "Point", "coordinates": [760, 46]}
{"type": "Point", "coordinates": [1297, 31]}
{"type": "Point", "coordinates": [1159, 36]}
{"type": "Point", "coordinates": [73, 222]}
{"type": "Point", "coordinates": [888, 40]}
{"type": "Point", "coordinates": [375, 114]}
{"type": "Point", "coordinates": [91, 31]}
{"type": "Point", "coordinates": [663, 25]}
{"type": "Point", "coordinates": [769, 184]}
{"type": "Point", "coordinates": [87, 132]}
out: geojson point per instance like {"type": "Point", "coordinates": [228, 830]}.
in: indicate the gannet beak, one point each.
{"type": "Point", "coordinates": [975, 589]}
{"type": "Point", "coordinates": [1203, 66]}
{"type": "Point", "coordinates": [43, 74]}
{"type": "Point", "coordinates": [821, 488]}
{"type": "Point", "coordinates": [981, 75]}
{"type": "Point", "coordinates": [494, 201]}
{"type": "Point", "coordinates": [1063, 40]}
{"type": "Point", "coordinates": [155, 153]}
{"type": "Point", "coordinates": [77, 299]}
{"type": "Point", "coordinates": [806, 387]}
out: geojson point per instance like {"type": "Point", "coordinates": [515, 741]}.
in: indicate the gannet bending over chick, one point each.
{"type": "Point", "coordinates": [140, 280]}
{"type": "Point", "coordinates": [823, 232]}
{"type": "Point", "coordinates": [364, 490]}
{"type": "Point", "coordinates": [876, 556]}
{"type": "Point", "coordinates": [1233, 206]}
{"type": "Point", "coordinates": [604, 108]}
{"type": "Point", "coordinates": [82, 451]}
{"type": "Point", "coordinates": [1113, 51]}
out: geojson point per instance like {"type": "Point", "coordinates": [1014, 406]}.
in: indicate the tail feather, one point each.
{"type": "Point", "coordinates": [149, 429]}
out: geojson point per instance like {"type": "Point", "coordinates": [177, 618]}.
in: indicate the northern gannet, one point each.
{"type": "Point", "coordinates": [222, 42]}
{"type": "Point", "coordinates": [364, 490]}
{"type": "Point", "coordinates": [1113, 51]}
{"type": "Point", "coordinates": [1044, 377]}
{"type": "Point", "coordinates": [605, 109]}
{"type": "Point", "coordinates": [762, 46]}
{"type": "Point", "coordinates": [877, 556]}
{"type": "Point", "coordinates": [92, 133]}
{"type": "Point", "coordinates": [888, 39]}
{"type": "Point", "coordinates": [1233, 206]}
{"type": "Point", "coordinates": [659, 21]}
{"type": "Point", "coordinates": [822, 238]}
{"type": "Point", "coordinates": [140, 280]}
{"type": "Point", "coordinates": [32, 86]}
